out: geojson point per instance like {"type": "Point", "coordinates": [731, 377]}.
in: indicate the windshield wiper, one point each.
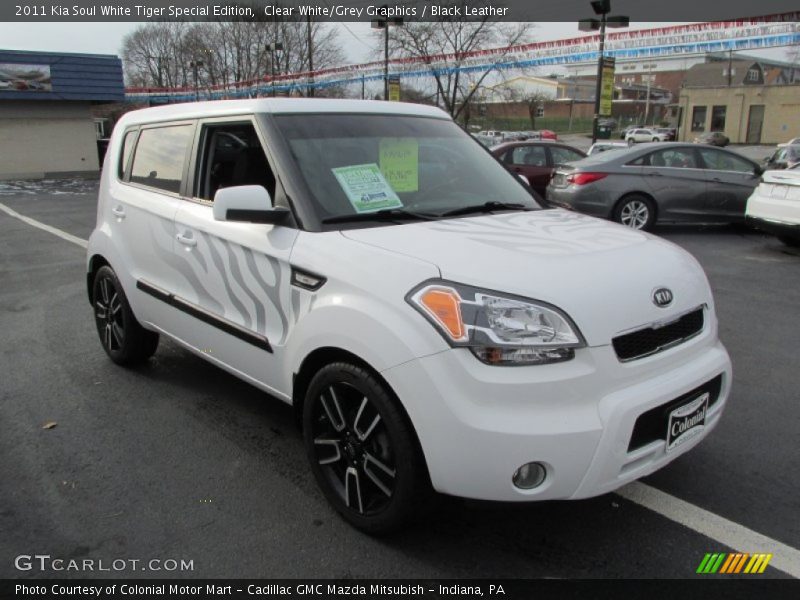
{"type": "Point", "coordinates": [485, 207]}
{"type": "Point", "coordinates": [387, 214]}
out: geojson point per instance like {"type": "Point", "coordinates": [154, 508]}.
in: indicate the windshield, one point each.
{"type": "Point", "coordinates": [363, 165]}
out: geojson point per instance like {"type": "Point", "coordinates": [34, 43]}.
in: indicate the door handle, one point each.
{"type": "Point", "coordinates": [119, 212]}
{"type": "Point", "coordinates": [517, 170]}
{"type": "Point", "coordinates": [717, 179]}
{"type": "Point", "coordinates": [186, 241]}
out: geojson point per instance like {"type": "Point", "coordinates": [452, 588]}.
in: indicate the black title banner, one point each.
{"type": "Point", "coordinates": [369, 10]}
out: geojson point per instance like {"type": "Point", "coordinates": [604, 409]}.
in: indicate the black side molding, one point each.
{"type": "Point", "coordinates": [205, 316]}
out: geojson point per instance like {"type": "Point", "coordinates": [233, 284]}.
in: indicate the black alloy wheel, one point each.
{"type": "Point", "coordinates": [125, 341]}
{"type": "Point", "coordinates": [362, 449]}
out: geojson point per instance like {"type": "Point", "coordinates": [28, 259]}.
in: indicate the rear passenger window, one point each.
{"type": "Point", "coordinates": [533, 156]}
{"type": "Point", "coordinates": [160, 155]}
{"type": "Point", "coordinates": [127, 146]}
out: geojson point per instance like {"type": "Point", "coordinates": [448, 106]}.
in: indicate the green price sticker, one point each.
{"type": "Point", "coordinates": [399, 160]}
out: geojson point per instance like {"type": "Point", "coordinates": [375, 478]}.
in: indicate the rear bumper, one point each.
{"type": "Point", "coordinates": [584, 199]}
{"type": "Point", "coordinates": [777, 228]}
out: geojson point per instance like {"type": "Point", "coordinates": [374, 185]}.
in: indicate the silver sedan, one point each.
{"type": "Point", "coordinates": [658, 183]}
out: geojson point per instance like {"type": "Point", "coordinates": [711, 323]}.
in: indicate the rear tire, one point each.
{"type": "Point", "coordinates": [125, 341]}
{"type": "Point", "coordinates": [362, 449]}
{"type": "Point", "coordinates": [790, 241]}
{"type": "Point", "coordinates": [635, 211]}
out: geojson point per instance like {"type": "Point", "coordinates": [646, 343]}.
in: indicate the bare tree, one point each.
{"type": "Point", "coordinates": [231, 51]}
{"type": "Point", "coordinates": [456, 86]}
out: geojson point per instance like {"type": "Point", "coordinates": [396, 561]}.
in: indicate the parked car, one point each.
{"type": "Point", "coordinates": [774, 206]}
{"type": "Point", "coordinates": [624, 133]}
{"type": "Point", "coordinates": [785, 157]}
{"type": "Point", "coordinates": [670, 133]}
{"type": "Point", "coordinates": [365, 263]}
{"type": "Point", "coordinates": [547, 134]}
{"type": "Point", "coordinates": [486, 140]}
{"type": "Point", "coordinates": [636, 136]}
{"type": "Point", "coordinates": [598, 147]}
{"type": "Point", "coordinates": [536, 160]}
{"type": "Point", "coordinates": [713, 138]}
{"type": "Point", "coordinates": [658, 183]}
{"type": "Point", "coordinates": [791, 142]}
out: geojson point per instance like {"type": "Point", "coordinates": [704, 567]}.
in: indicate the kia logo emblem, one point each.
{"type": "Point", "coordinates": [662, 297]}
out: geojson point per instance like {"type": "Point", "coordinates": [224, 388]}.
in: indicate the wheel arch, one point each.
{"type": "Point", "coordinates": [96, 261]}
{"type": "Point", "coordinates": [323, 356]}
{"type": "Point", "coordinates": [628, 194]}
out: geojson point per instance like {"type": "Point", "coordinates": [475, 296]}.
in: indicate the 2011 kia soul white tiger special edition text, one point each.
{"type": "Point", "coordinates": [434, 326]}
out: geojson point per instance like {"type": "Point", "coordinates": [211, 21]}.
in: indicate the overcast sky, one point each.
{"type": "Point", "coordinates": [106, 38]}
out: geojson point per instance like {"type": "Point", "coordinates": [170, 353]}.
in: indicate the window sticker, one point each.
{"type": "Point", "coordinates": [366, 188]}
{"type": "Point", "coordinates": [399, 160]}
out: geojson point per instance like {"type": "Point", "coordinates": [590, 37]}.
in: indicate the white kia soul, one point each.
{"type": "Point", "coordinates": [434, 326]}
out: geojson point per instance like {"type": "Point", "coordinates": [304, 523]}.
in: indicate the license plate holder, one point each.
{"type": "Point", "coordinates": [687, 421]}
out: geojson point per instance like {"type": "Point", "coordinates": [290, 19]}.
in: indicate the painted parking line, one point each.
{"type": "Point", "coordinates": [730, 534]}
{"type": "Point", "coordinates": [785, 558]}
{"type": "Point", "coordinates": [34, 223]}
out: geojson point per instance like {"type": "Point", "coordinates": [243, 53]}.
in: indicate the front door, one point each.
{"type": "Point", "coordinates": [234, 278]}
{"type": "Point", "coordinates": [531, 162]}
{"type": "Point", "coordinates": [754, 123]}
{"type": "Point", "coordinates": [730, 180]}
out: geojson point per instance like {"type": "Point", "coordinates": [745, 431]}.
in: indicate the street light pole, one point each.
{"type": "Point", "coordinates": [602, 8]}
{"type": "Point", "coordinates": [384, 23]}
{"type": "Point", "coordinates": [273, 49]}
{"type": "Point", "coordinates": [195, 65]}
{"type": "Point", "coordinates": [310, 42]}
{"type": "Point", "coordinates": [599, 87]}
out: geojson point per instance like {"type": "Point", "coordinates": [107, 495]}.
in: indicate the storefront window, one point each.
{"type": "Point", "coordinates": [717, 118]}
{"type": "Point", "coordinates": [699, 118]}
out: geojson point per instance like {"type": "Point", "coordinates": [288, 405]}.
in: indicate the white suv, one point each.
{"type": "Point", "coordinates": [435, 328]}
{"type": "Point", "coordinates": [644, 135]}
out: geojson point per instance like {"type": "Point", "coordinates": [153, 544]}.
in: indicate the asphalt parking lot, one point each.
{"type": "Point", "coordinates": [179, 460]}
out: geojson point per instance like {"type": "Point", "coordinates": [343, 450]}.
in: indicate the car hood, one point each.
{"type": "Point", "coordinates": [601, 274]}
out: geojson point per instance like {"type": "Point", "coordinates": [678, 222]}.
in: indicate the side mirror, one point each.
{"type": "Point", "coordinates": [247, 203]}
{"type": "Point", "coordinates": [523, 178]}
{"type": "Point", "coordinates": [758, 171]}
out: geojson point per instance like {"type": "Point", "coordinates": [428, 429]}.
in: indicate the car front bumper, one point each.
{"type": "Point", "coordinates": [478, 424]}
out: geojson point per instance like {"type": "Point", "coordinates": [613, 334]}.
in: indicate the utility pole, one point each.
{"type": "Point", "coordinates": [730, 67]}
{"type": "Point", "coordinates": [647, 101]}
{"type": "Point", "coordinates": [310, 42]}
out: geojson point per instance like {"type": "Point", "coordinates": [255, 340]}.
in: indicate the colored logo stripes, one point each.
{"type": "Point", "coordinates": [734, 563]}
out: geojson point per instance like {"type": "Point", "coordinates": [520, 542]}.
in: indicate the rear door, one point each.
{"type": "Point", "coordinates": [730, 180]}
{"type": "Point", "coordinates": [143, 206]}
{"type": "Point", "coordinates": [677, 183]}
{"type": "Point", "coordinates": [234, 278]}
{"type": "Point", "coordinates": [530, 161]}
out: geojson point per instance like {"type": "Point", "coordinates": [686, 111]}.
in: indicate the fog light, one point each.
{"type": "Point", "coordinates": [529, 476]}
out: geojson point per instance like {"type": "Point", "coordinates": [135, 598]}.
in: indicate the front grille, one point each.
{"type": "Point", "coordinates": [645, 342]}
{"type": "Point", "coordinates": [652, 425]}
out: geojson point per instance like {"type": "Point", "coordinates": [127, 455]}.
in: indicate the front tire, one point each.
{"type": "Point", "coordinates": [635, 211]}
{"type": "Point", "coordinates": [362, 450]}
{"type": "Point", "coordinates": [794, 242]}
{"type": "Point", "coordinates": [125, 341]}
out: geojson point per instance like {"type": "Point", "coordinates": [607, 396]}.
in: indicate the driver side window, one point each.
{"type": "Point", "coordinates": [231, 155]}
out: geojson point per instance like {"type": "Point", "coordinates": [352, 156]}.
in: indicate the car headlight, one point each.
{"type": "Point", "coordinates": [499, 329]}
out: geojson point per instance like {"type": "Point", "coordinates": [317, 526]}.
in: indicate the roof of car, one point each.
{"type": "Point", "coordinates": [222, 108]}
